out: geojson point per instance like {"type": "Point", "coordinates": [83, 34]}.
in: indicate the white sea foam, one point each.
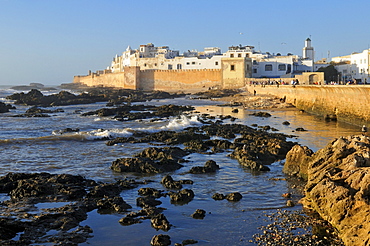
{"type": "Point", "coordinates": [111, 133]}
{"type": "Point", "coordinates": [181, 123]}
{"type": "Point", "coordinates": [174, 124]}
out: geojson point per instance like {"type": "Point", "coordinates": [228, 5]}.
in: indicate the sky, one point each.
{"type": "Point", "coordinates": [51, 41]}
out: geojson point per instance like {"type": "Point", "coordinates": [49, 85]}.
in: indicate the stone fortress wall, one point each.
{"type": "Point", "coordinates": [346, 103]}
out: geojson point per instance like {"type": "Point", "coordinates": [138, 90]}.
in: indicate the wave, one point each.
{"type": "Point", "coordinates": [174, 124]}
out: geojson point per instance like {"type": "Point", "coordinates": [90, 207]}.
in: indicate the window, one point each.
{"type": "Point", "coordinates": [169, 66]}
{"type": "Point", "coordinates": [268, 67]}
{"type": "Point", "coordinates": [246, 55]}
{"type": "Point", "coordinates": [144, 64]}
{"type": "Point", "coordinates": [232, 68]}
{"type": "Point", "coordinates": [254, 70]}
{"type": "Point", "coordinates": [155, 64]}
{"type": "Point", "coordinates": [188, 63]}
{"type": "Point", "coordinates": [282, 67]}
{"type": "Point", "coordinates": [192, 63]}
{"type": "Point", "coordinates": [231, 55]}
{"type": "Point", "coordinates": [255, 62]}
{"type": "Point", "coordinates": [239, 55]}
{"type": "Point", "coordinates": [179, 66]}
{"type": "Point", "coordinates": [216, 63]}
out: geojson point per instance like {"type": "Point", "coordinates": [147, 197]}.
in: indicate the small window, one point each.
{"type": "Point", "coordinates": [255, 62]}
{"type": "Point", "coordinates": [268, 67]}
{"type": "Point", "coordinates": [246, 55]}
{"type": "Point", "coordinates": [216, 63]}
{"type": "Point", "coordinates": [239, 55]}
{"type": "Point", "coordinates": [155, 64]}
{"type": "Point", "coordinates": [188, 63]}
{"type": "Point", "coordinates": [282, 67]}
{"type": "Point", "coordinates": [231, 55]}
{"type": "Point", "coordinates": [232, 68]}
{"type": "Point", "coordinates": [179, 66]}
{"type": "Point", "coordinates": [254, 70]}
{"type": "Point", "coordinates": [193, 63]}
{"type": "Point", "coordinates": [169, 66]}
{"type": "Point", "coordinates": [144, 64]}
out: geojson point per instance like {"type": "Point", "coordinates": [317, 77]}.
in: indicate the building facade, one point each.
{"type": "Point", "coordinates": [263, 65]}
{"type": "Point", "coordinates": [354, 67]}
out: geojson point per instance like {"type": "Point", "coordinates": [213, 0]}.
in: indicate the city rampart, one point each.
{"type": "Point", "coordinates": [180, 80]}
{"type": "Point", "coordinates": [347, 103]}
{"type": "Point", "coordinates": [166, 80]}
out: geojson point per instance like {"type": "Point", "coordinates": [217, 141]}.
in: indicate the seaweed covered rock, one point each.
{"type": "Point", "coordinates": [209, 167]}
{"type": "Point", "coordinates": [144, 165]}
{"type": "Point", "coordinates": [160, 240]}
{"type": "Point", "coordinates": [77, 196]}
{"type": "Point", "coordinates": [182, 197]}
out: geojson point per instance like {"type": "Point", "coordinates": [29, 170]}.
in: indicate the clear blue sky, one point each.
{"type": "Point", "coordinates": [50, 41]}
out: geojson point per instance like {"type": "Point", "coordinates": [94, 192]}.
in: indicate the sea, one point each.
{"type": "Point", "coordinates": [36, 145]}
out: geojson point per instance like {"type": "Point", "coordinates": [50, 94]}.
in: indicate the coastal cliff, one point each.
{"type": "Point", "coordinates": [338, 184]}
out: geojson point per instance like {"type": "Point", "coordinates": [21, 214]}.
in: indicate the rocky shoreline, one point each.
{"type": "Point", "coordinates": [337, 184]}
{"type": "Point", "coordinates": [74, 196]}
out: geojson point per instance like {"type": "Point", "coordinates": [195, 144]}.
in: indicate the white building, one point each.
{"type": "Point", "coordinates": [264, 65]}
{"type": "Point", "coordinates": [354, 67]}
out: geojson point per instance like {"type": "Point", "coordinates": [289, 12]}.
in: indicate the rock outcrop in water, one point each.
{"type": "Point", "coordinates": [5, 107]}
{"type": "Point", "coordinates": [75, 196]}
{"type": "Point", "coordinates": [151, 160]}
{"type": "Point", "coordinates": [89, 95]}
{"type": "Point", "coordinates": [338, 184]}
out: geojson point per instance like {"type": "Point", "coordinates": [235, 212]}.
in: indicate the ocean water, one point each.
{"type": "Point", "coordinates": [34, 145]}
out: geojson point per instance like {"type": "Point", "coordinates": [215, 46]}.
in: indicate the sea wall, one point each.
{"type": "Point", "coordinates": [166, 80]}
{"type": "Point", "coordinates": [347, 103]}
{"type": "Point", "coordinates": [127, 79]}
{"type": "Point", "coordinates": [177, 80]}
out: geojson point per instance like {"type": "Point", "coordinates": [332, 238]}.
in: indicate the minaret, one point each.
{"type": "Point", "coordinates": [308, 52]}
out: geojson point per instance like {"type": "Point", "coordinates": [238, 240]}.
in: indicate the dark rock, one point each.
{"type": "Point", "coordinates": [169, 183]}
{"type": "Point", "coordinates": [209, 167]}
{"type": "Point", "coordinates": [121, 140]}
{"type": "Point", "coordinates": [150, 192]}
{"type": "Point", "coordinates": [182, 197]}
{"type": "Point", "coordinates": [147, 201]}
{"type": "Point", "coordinates": [234, 197]}
{"type": "Point", "coordinates": [287, 123]}
{"type": "Point", "coordinates": [9, 227]}
{"type": "Point", "coordinates": [261, 114]}
{"type": "Point", "coordinates": [144, 165]}
{"type": "Point", "coordinates": [103, 190]}
{"type": "Point", "coordinates": [160, 240]}
{"type": "Point", "coordinates": [114, 204]}
{"type": "Point", "coordinates": [81, 195]}
{"type": "Point", "coordinates": [171, 153]}
{"type": "Point", "coordinates": [199, 214]}
{"type": "Point", "coordinates": [218, 196]}
{"type": "Point", "coordinates": [128, 220]}
{"type": "Point", "coordinates": [189, 241]}
{"type": "Point", "coordinates": [5, 107]}
{"type": "Point", "coordinates": [235, 110]}
{"type": "Point", "coordinates": [160, 222]}
{"type": "Point", "coordinates": [300, 129]}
